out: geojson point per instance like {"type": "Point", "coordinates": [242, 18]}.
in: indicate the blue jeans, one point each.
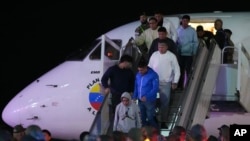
{"type": "Point", "coordinates": [148, 115]}
{"type": "Point", "coordinates": [164, 91]}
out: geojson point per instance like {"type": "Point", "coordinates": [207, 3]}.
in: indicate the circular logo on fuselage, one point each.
{"type": "Point", "coordinates": [95, 96]}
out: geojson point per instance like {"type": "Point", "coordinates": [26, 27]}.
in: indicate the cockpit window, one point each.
{"type": "Point", "coordinates": [110, 51]}
{"type": "Point", "coordinates": [96, 54]}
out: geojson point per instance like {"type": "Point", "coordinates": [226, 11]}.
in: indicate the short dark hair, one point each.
{"type": "Point", "coordinates": [152, 18]}
{"type": "Point", "coordinates": [142, 63]}
{"type": "Point", "coordinates": [83, 134]}
{"type": "Point", "coordinates": [212, 138]}
{"type": "Point", "coordinates": [46, 131]}
{"type": "Point", "coordinates": [143, 14]}
{"type": "Point", "coordinates": [219, 20]}
{"type": "Point", "coordinates": [127, 58]}
{"type": "Point", "coordinates": [186, 17]}
{"type": "Point", "coordinates": [228, 31]}
{"type": "Point", "coordinates": [18, 128]}
{"type": "Point", "coordinates": [158, 12]}
{"type": "Point", "coordinates": [177, 130]}
{"type": "Point", "coordinates": [199, 28]}
{"type": "Point", "coordinates": [162, 29]}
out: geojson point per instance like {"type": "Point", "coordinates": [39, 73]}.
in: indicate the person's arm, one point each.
{"type": "Point", "coordinates": [135, 93]}
{"type": "Point", "coordinates": [140, 39]}
{"type": "Point", "coordinates": [104, 81]}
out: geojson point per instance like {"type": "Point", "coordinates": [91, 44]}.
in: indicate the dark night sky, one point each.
{"type": "Point", "coordinates": [38, 36]}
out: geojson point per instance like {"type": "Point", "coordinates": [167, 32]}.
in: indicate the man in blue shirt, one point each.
{"type": "Point", "coordinates": [145, 91]}
{"type": "Point", "coordinates": [187, 43]}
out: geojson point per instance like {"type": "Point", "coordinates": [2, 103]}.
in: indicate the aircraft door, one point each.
{"type": "Point", "coordinates": [111, 52]}
{"type": "Point", "coordinates": [133, 50]}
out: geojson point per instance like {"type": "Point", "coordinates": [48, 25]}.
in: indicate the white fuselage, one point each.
{"type": "Point", "coordinates": [66, 99]}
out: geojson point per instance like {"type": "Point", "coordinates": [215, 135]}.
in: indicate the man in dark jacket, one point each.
{"type": "Point", "coordinates": [121, 78]}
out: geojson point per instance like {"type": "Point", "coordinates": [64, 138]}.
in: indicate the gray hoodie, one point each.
{"type": "Point", "coordinates": [126, 117]}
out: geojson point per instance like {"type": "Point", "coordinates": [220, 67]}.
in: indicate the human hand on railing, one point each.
{"type": "Point", "coordinates": [107, 91]}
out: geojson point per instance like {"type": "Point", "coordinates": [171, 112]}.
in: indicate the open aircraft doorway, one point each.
{"type": "Point", "coordinates": [209, 26]}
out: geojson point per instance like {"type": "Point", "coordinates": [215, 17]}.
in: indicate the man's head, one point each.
{"type": "Point", "coordinates": [134, 134]}
{"type": "Point", "coordinates": [162, 32]}
{"type": "Point", "coordinates": [162, 46]}
{"type": "Point", "coordinates": [158, 15]}
{"type": "Point", "coordinates": [228, 33]}
{"type": "Point", "coordinates": [18, 132]}
{"type": "Point", "coordinates": [84, 136]}
{"type": "Point", "coordinates": [198, 132]}
{"type": "Point", "coordinates": [47, 134]}
{"type": "Point", "coordinates": [180, 131]}
{"type": "Point", "coordinates": [218, 23]}
{"type": "Point", "coordinates": [18, 128]}
{"type": "Point", "coordinates": [200, 30]}
{"type": "Point", "coordinates": [153, 23]}
{"type": "Point", "coordinates": [126, 61]}
{"type": "Point", "coordinates": [143, 18]}
{"type": "Point", "coordinates": [142, 66]}
{"type": "Point", "coordinates": [224, 132]}
{"type": "Point", "coordinates": [185, 21]}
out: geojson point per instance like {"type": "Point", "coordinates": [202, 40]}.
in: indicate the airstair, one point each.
{"type": "Point", "coordinates": [213, 87]}
{"type": "Point", "coordinates": [193, 104]}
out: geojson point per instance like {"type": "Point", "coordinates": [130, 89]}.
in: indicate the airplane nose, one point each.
{"type": "Point", "coordinates": [12, 112]}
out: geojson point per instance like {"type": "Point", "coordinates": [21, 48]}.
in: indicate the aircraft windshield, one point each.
{"type": "Point", "coordinates": [110, 51]}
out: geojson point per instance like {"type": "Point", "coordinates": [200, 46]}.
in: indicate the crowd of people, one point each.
{"type": "Point", "coordinates": [168, 54]}
{"type": "Point", "coordinates": [148, 133]}
{"type": "Point", "coordinates": [31, 133]}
